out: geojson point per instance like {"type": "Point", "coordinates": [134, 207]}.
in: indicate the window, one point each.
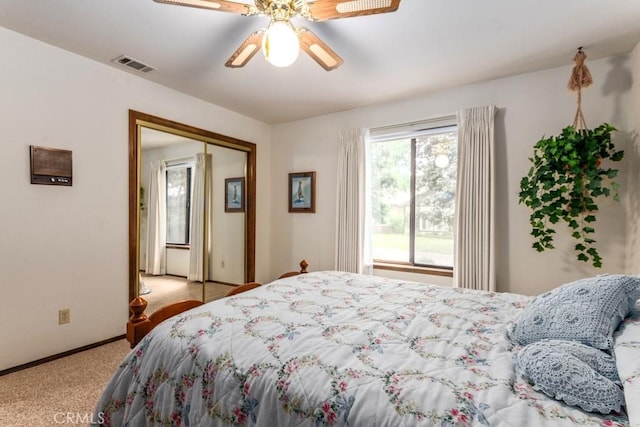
{"type": "Point", "coordinates": [413, 184]}
{"type": "Point", "coordinates": [178, 203]}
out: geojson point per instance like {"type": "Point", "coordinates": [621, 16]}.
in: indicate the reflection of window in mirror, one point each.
{"type": "Point", "coordinates": [179, 195]}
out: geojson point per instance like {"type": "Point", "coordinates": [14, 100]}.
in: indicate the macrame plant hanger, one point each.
{"type": "Point", "coordinates": [580, 78]}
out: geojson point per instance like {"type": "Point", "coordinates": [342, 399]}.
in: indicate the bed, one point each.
{"type": "Point", "coordinates": [335, 348]}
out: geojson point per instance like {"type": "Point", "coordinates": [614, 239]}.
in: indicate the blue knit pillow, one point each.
{"type": "Point", "coordinates": [563, 376]}
{"type": "Point", "coordinates": [586, 311]}
{"type": "Point", "coordinates": [598, 360]}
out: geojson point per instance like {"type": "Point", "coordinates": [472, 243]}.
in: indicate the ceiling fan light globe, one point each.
{"type": "Point", "coordinates": [280, 44]}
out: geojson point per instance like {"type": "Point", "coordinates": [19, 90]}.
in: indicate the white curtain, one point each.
{"type": "Point", "coordinates": [475, 200]}
{"type": "Point", "coordinates": [201, 174]}
{"type": "Point", "coordinates": [353, 243]}
{"type": "Point", "coordinates": [157, 220]}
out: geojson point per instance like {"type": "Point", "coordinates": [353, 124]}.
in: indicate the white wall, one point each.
{"type": "Point", "coordinates": [177, 262]}
{"type": "Point", "coordinates": [632, 199]}
{"type": "Point", "coordinates": [531, 105]}
{"type": "Point", "coordinates": [67, 247]}
{"type": "Point", "coordinates": [226, 261]}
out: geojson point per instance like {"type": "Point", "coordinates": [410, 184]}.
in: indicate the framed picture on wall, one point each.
{"type": "Point", "coordinates": [302, 192]}
{"type": "Point", "coordinates": [234, 194]}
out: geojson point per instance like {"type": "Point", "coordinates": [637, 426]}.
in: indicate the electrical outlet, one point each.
{"type": "Point", "coordinates": [64, 316]}
{"type": "Point", "coordinates": [222, 264]}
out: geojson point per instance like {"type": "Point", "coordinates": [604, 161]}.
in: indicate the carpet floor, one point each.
{"type": "Point", "coordinates": [62, 392]}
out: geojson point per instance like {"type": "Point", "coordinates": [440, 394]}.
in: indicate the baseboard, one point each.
{"type": "Point", "coordinates": [60, 355]}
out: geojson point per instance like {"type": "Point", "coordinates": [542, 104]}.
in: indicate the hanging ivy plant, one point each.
{"type": "Point", "coordinates": [567, 176]}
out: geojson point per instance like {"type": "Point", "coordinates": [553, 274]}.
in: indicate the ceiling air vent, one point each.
{"type": "Point", "coordinates": [132, 63]}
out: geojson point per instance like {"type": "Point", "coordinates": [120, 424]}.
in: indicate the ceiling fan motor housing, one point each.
{"type": "Point", "coordinates": [282, 10]}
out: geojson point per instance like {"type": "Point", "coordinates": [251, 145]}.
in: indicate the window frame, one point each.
{"type": "Point", "coordinates": [413, 131]}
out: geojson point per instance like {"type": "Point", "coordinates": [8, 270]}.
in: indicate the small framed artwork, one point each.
{"type": "Point", "coordinates": [234, 194]}
{"type": "Point", "coordinates": [302, 192]}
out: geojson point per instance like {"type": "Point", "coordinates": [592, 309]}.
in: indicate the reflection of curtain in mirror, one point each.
{"type": "Point", "coordinates": [202, 170]}
{"type": "Point", "coordinates": [157, 221]}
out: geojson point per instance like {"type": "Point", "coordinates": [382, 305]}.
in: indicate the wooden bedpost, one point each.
{"type": "Point", "coordinates": [303, 270]}
{"type": "Point", "coordinates": [138, 324]}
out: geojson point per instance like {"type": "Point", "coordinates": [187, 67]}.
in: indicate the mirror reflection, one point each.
{"type": "Point", "coordinates": [195, 227]}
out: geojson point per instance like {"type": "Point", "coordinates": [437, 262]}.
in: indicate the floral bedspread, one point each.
{"type": "Point", "coordinates": [331, 348]}
{"type": "Point", "coordinates": [627, 352]}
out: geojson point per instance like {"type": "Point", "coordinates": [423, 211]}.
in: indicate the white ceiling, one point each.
{"type": "Point", "coordinates": [426, 45]}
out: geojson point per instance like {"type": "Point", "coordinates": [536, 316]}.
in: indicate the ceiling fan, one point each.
{"type": "Point", "coordinates": [281, 41]}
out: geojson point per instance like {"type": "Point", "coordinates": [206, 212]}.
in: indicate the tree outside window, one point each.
{"type": "Point", "coordinates": [413, 183]}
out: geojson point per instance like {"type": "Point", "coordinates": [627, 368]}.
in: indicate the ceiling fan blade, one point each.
{"type": "Point", "coordinates": [247, 49]}
{"type": "Point", "coordinates": [221, 5]}
{"type": "Point", "coordinates": [322, 10]}
{"type": "Point", "coordinates": [318, 50]}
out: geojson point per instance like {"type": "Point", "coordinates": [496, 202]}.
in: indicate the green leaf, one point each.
{"type": "Point", "coordinates": [583, 257]}
{"type": "Point", "coordinates": [617, 156]}
{"type": "Point", "coordinates": [590, 218]}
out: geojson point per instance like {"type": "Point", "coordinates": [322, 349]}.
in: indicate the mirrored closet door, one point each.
{"type": "Point", "coordinates": [192, 211]}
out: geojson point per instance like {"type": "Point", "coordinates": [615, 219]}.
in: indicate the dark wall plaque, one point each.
{"type": "Point", "coordinates": [50, 166]}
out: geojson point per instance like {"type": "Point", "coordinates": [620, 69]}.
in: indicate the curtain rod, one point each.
{"type": "Point", "coordinates": [182, 161]}
{"type": "Point", "coordinates": [416, 123]}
